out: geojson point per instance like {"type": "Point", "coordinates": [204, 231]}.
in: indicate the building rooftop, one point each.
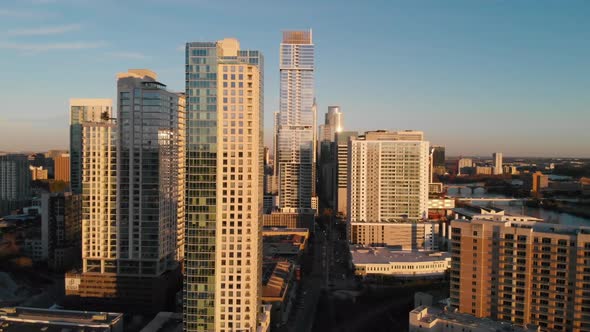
{"type": "Point", "coordinates": [381, 255]}
{"type": "Point", "coordinates": [47, 320]}
{"type": "Point", "coordinates": [471, 211]}
{"type": "Point", "coordinates": [430, 314]}
{"type": "Point", "coordinates": [535, 224]}
{"type": "Point", "coordinates": [284, 241]}
{"type": "Point", "coordinates": [275, 279]}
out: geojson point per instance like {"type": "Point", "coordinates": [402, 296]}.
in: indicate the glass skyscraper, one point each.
{"type": "Point", "coordinates": [296, 122]}
{"type": "Point", "coordinates": [224, 89]}
{"type": "Point", "coordinates": [150, 160]}
{"type": "Point", "coordinates": [132, 175]}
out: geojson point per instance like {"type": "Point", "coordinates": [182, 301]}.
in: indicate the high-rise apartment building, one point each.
{"type": "Point", "coordinates": [62, 167]}
{"type": "Point", "coordinates": [526, 272]}
{"type": "Point", "coordinates": [133, 200]}
{"type": "Point", "coordinates": [388, 181]}
{"type": "Point", "coordinates": [296, 133]}
{"type": "Point", "coordinates": [15, 182]}
{"type": "Point", "coordinates": [81, 111]}
{"type": "Point", "coordinates": [99, 196]}
{"type": "Point", "coordinates": [150, 146]}
{"type": "Point", "coordinates": [223, 261]}
{"type": "Point", "coordinates": [341, 153]}
{"type": "Point", "coordinates": [498, 169]}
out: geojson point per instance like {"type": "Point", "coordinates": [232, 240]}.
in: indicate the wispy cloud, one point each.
{"type": "Point", "coordinates": [13, 13]}
{"type": "Point", "coordinates": [129, 55]}
{"type": "Point", "coordinates": [44, 31]}
{"type": "Point", "coordinates": [181, 48]}
{"type": "Point", "coordinates": [35, 47]}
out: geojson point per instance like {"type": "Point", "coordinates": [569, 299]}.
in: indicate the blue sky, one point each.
{"type": "Point", "coordinates": [477, 76]}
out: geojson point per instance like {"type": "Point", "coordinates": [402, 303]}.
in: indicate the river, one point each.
{"type": "Point", "coordinates": [547, 215]}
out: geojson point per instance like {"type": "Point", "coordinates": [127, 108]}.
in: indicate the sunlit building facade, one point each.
{"type": "Point", "coordinates": [388, 178]}
{"type": "Point", "coordinates": [132, 201]}
{"type": "Point", "coordinates": [81, 111]}
{"type": "Point", "coordinates": [525, 272]}
{"type": "Point", "coordinates": [225, 151]}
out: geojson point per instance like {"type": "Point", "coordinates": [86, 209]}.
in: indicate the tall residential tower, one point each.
{"type": "Point", "coordinates": [132, 200]}
{"type": "Point", "coordinates": [388, 189]}
{"type": "Point", "coordinates": [223, 260]}
{"type": "Point", "coordinates": [296, 133]}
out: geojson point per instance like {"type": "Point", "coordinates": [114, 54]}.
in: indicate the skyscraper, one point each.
{"type": "Point", "coordinates": [327, 155]}
{"type": "Point", "coordinates": [333, 124]}
{"type": "Point", "coordinates": [150, 143]}
{"type": "Point", "coordinates": [224, 91]}
{"type": "Point", "coordinates": [15, 182]}
{"type": "Point", "coordinates": [388, 183]}
{"type": "Point", "coordinates": [81, 111]}
{"type": "Point", "coordinates": [133, 201]}
{"type": "Point", "coordinates": [296, 131]}
{"type": "Point", "coordinates": [498, 170]}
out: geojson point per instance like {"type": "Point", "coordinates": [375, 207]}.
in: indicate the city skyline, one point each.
{"type": "Point", "coordinates": [529, 87]}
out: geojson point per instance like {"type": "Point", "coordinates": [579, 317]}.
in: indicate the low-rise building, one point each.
{"type": "Point", "coordinates": [290, 219]}
{"type": "Point", "coordinates": [432, 319]}
{"type": "Point", "coordinates": [284, 241]}
{"type": "Point", "coordinates": [278, 288]}
{"type": "Point", "coordinates": [484, 170]}
{"type": "Point", "coordinates": [368, 261]}
{"type": "Point", "coordinates": [512, 170]}
{"type": "Point", "coordinates": [399, 235]}
{"type": "Point", "coordinates": [21, 319]}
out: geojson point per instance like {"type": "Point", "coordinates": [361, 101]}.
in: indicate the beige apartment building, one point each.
{"type": "Point", "coordinates": [521, 271]}
{"type": "Point", "coordinates": [223, 265]}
